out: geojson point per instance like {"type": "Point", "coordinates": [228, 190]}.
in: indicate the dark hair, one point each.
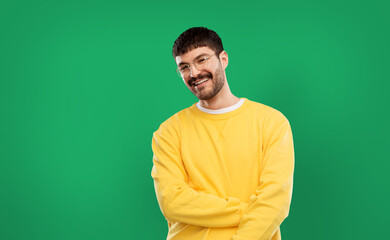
{"type": "Point", "coordinates": [197, 37]}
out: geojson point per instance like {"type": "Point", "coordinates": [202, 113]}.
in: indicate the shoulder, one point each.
{"type": "Point", "coordinates": [272, 122]}
{"type": "Point", "coordinates": [175, 122]}
{"type": "Point", "coordinates": [266, 113]}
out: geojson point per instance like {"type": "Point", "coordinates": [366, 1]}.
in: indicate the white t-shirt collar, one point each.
{"type": "Point", "coordinates": [221, 110]}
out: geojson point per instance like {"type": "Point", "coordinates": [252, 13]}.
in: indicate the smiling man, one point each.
{"type": "Point", "coordinates": [223, 167]}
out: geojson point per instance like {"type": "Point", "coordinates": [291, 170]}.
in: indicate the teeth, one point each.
{"type": "Point", "coordinates": [204, 80]}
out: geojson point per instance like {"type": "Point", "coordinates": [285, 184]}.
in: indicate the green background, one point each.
{"type": "Point", "coordinates": [83, 85]}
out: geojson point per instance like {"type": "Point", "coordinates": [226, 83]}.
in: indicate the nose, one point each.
{"type": "Point", "coordinates": [194, 72]}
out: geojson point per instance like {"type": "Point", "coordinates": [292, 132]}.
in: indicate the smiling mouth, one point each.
{"type": "Point", "coordinates": [201, 81]}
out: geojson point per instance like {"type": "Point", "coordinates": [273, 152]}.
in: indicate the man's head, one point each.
{"type": "Point", "coordinates": [197, 37]}
{"type": "Point", "coordinates": [201, 61]}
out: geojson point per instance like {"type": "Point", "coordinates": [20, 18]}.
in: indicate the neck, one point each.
{"type": "Point", "coordinates": [223, 99]}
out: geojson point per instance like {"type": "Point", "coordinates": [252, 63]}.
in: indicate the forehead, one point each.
{"type": "Point", "coordinates": [191, 55]}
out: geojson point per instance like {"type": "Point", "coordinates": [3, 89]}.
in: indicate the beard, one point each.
{"type": "Point", "coordinates": [217, 80]}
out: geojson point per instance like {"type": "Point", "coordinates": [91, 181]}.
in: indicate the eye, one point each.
{"type": "Point", "coordinates": [202, 60]}
{"type": "Point", "coordinates": [183, 68]}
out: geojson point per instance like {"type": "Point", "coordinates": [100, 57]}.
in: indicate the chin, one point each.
{"type": "Point", "coordinates": [205, 97]}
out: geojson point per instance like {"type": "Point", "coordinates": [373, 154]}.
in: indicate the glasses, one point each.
{"type": "Point", "coordinates": [200, 63]}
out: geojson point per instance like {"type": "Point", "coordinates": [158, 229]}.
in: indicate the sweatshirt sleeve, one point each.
{"type": "Point", "coordinates": [270, 203]}
{"type": "Point", "coordinates": [179, 202]}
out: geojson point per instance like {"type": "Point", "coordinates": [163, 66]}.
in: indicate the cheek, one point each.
{"type": "Point", "coordinates": [209, 71]}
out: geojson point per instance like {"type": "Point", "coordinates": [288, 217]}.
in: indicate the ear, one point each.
{"type": "Point", "coordinates": [223, 57]}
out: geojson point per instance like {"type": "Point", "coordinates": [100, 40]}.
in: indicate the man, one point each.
{"type": "Point", "coordinates": [222, 168]}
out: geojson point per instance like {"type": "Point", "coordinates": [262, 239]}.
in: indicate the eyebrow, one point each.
{"type": "Point", "coordinates": [200, 55]}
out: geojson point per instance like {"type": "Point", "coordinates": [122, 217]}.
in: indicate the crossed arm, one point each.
{"type": "Point", "coordinates": [178, 201]}
{"type": "Point", "coordinates": [256, 220]}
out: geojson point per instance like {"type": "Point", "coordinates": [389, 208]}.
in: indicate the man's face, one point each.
{"type": "Point", "coordinates": [211, 74]}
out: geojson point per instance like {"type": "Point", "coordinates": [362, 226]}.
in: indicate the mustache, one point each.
{"type": "Point", "coordinates": [205, 75]}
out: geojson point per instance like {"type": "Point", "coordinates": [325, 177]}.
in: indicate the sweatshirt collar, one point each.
{"type": "Point", "coordinates": [221, 110]}
{"type": "Point", "coordinates": [228, 114]}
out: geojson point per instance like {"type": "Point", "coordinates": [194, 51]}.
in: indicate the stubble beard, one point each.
{"type": "Point", "coordinates": [217, 81]}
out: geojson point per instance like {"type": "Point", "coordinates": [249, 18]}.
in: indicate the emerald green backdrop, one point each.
{"type": "Point", "coordinates": [83, 85]}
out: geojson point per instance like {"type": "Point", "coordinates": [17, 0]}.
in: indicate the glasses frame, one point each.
{"type": "Point", "coordinates": [195, 65]}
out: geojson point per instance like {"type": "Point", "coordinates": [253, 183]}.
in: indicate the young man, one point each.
{"type": "Point", "coordinates": [222, 168]}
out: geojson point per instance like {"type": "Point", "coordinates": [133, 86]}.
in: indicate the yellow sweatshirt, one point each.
{"type": "Point", "coordinates": [224, 176]}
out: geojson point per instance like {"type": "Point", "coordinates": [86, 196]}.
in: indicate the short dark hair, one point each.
{"type": "Point", "coordinates": [197, 37]}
